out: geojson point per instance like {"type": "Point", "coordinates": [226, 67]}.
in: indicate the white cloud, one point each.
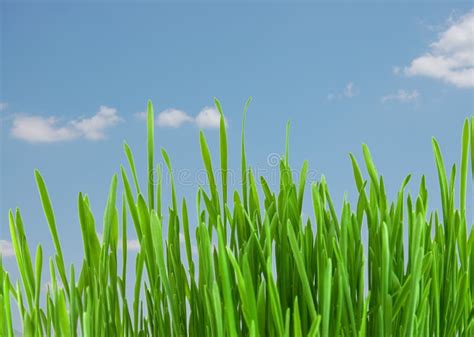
{"type": "Point", "coordinates": [451, 57]}
{"type": "Point", "coordinates": [402, 96]}
{"type": "Point", "coordinates": [349, 91]}
{"type": "Point", "coordinates": [208, 118]}
{"type": "Point", "coordinates": [6, 249]}
{"type": "Point", "coordinates": [48, 285]}
{"type": "Point", "coordinates": [173, 118]}
{"type": "Point", "coordinates": [38, 129]}
{"type": "Point", "coordinates": [132, 245]}
{"type": "Point", "coordinates": [3, 105]}
{"type": "Point", "coordinates": [140, 115]}
{"type": "Point", "coordinates": [94, 127]}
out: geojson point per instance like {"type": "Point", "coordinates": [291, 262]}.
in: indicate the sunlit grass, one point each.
{"type": "Point", "coordinates": [260, 268]}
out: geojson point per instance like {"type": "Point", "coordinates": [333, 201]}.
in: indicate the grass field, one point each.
{"type": "Point", "coordinates": [260, 270]}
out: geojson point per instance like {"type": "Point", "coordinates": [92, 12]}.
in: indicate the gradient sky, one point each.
{"type": "Point", "coordinates": [75, 78]}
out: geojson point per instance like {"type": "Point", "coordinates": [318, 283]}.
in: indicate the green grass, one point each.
{"type": "Point", "coordinates": [261, 269]}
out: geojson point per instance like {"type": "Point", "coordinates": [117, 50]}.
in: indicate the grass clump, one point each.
{"type": "Point", "coordinates": [259, 269]}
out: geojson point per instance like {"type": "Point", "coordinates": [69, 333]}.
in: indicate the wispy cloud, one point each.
{"type": "Point", "coordinates": [39, 129]}
{"type": "Point", "coordinates": [48, 285]}
{"type": "Point", "coordinates": [173, 118]}
{"type": "Point", "coordinates": [207, 118]}
{"type": "Point", "coordinates": [3, 106]}
{"type": "Point", "coordinates": [140, 115]}
{"type": "Point", "coordinates": [451, 57]}
{"type": "Point", "coordinates": [349, 91]}
{"type": "Point", "coordinates": [133, 245]}
{"type": "Point", "coordinates": [6, 248]}
{"type": "Point", "coordinates": [402, 96]}
{"type": "Point", "coordinates": [94, 127]}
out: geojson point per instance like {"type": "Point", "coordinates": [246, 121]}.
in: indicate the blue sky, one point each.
{"type": "Point", "coordinates": [75, 79]}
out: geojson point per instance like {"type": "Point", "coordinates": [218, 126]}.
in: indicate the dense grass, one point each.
{"type": "Point", "coordinates": [260, 270]}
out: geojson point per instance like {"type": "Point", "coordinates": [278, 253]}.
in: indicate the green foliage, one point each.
{"type": "Point", "coordinates": [256, 268]}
